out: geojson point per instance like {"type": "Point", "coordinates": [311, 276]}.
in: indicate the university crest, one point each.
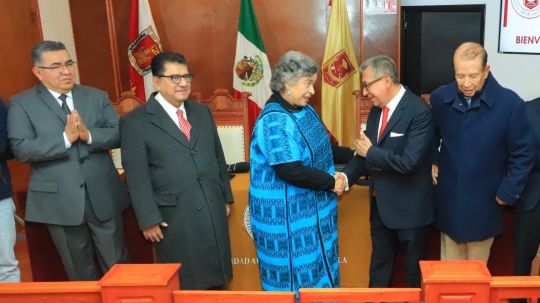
{"type": "Point", "coordinates": [250, 70]}
{"type": "Point", "coordinates": [526, 8]}
{"type": "Point", "coordinates": [337, 69]}
{"type": "Point", "coordinates": [143, 49]}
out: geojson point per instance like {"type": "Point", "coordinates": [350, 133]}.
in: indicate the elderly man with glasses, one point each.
{"type": "Point", "coordinates": [64, 131]}
{"type": "Point", "coordinates": [177, 177]}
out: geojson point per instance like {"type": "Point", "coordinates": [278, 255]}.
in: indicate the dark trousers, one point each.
{"type": "Point", "coordinates": [386, 242]}
{"type": "Point", "coordinates": [526, 239]}
{"type": "Point", "coordinates": [79, 246]}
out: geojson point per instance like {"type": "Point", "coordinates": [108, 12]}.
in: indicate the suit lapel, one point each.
{"type": "Point", "coordinates": [49, 100]}
{"type": "Point", "coordinates": [372, 128]}
{"type": "Point", "coordinates": [194, 118]}
{"type": "Point", "coordinates": [396, 116]}
{"type": "Point", "coordinates": [81, 104]}
{"type": "Point", "coordinates": [82, 107]}
{"type": "Point", "coordinates": [161, 120]}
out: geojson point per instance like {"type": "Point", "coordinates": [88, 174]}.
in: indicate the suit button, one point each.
{"type": "Point", "coordinates": [199, 207]}
{"type": "Point", "coordinates": [193, 153]}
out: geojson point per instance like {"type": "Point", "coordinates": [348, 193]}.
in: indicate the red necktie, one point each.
{"type": "Point", "coordinates": [185, 127]}
{"type": "Point", "coordinates": [383, 122]}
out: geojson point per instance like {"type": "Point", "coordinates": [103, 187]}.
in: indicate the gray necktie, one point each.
{"type": "Point", "coordinates": [65, 107]}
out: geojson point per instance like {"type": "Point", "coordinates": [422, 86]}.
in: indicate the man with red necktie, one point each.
{"type": "Point", "coordinates": [177, 177]}
{"type": "Point", "coordinates": [395, 152]}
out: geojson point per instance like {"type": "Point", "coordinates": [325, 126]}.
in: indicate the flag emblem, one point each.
{"type": "Point", "coordinates": [143, 49]}
{"type": "Point", "coordinates": [338, 69]}
{"type": "Point", "coordinates": [249, 70]}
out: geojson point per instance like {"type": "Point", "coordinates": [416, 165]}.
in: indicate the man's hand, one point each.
{"type": "Point", "coordinates": [339, 186]}
{"type": "Point", "coordinates": [84, 134]}
{"type": "Point", "coordinates": [500, 202]}
{"type": "Point", "coordinates": [153, 233]}
{"type": "Point", "coordinates": [434, 174]}
{"type": "Point", "coordinates": [71, 130]}
{"type": "Point", "coordinates": [362, 145]}
{"type": "Point", "coordinates": [227, 209]}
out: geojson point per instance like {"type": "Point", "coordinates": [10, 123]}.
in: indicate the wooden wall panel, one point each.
{"type": "Point", "coordinates": [381, 34]}
{"type": "Point", "coordinates": [20, 29]}
{"type": "Point", "coordinates": [121, 18]}
{"type": "Point", "coordinates": [205, 32]}
{"type": "Point", "coordinates": [94, 56]}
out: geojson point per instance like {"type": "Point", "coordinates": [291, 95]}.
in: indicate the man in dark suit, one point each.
{"type": "Point", "coordinates": [177, 177]}
{"type": "Point", "coordinates": [527, 212]}
{"type": "Point", "coordinates": [64, 131]}
{"type": "Point", "coordinates": [395, 152]}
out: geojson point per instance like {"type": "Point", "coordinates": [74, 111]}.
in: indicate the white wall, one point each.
{"type": "Point", "coordinates": [517, 72]}
{"type": "Point", "coordinates": [56, 25]}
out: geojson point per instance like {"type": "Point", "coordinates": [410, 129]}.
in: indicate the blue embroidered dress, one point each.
{"type": "Point", "coordinates": [295, 228]}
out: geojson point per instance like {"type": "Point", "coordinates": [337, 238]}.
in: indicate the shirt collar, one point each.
{"type": "Point", "coordinates": [487, 94]}
{"type": "Point", "coordinates": [395, 101]}
{"type": "Point", "coordinates": [56, 95]}
{"type": "Point", "coordinates": [169, 108]}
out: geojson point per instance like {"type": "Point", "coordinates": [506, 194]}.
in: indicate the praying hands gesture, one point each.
{"type": "Point", "coordinates": [75, 128]}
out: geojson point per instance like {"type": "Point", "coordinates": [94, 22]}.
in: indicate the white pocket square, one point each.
{"type": "Point", "coordinates": [393, 135]}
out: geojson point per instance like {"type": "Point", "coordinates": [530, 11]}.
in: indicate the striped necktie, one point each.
{"type": "Point", "coordinates": [65, 107]}
{"type": "Point", "coordinates": [185, 127]}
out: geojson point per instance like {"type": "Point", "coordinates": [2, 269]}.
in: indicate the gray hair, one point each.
{"type": "Point", "coordinates": [43, 47]}
{"type": "Point", "coordinates": [291, 67]}
{"type": "Point", "coordinates": [382, 65]}
{"type": "Point", "coordinates": [470, 51]}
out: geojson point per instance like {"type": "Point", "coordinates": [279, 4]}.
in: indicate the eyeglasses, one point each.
{"type": "Point", "coordinates": [177, 78]}
{"type": "Point", "coordinates": [59, 66]}
{"type": "Point", "coordinates": [366, 85]}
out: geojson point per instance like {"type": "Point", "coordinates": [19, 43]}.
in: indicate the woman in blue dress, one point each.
{"type": "Point", "coordinates": [291, 200]}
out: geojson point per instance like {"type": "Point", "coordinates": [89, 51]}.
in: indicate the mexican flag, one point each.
{"type": "Point", "coordinates": [340, 77]}
{"type": "Point", "coordinates": [251, 71]}
{"type": "Point", "coordinates": [144, 45]}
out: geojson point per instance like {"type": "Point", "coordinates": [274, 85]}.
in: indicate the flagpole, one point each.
{"type": "Point", "coordinates": [114, 50]}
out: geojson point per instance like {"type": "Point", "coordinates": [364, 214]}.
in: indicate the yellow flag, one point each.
{"type": "Point", "coordinates": [340, 77]}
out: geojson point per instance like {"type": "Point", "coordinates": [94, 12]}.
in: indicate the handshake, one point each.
{"type": "Point", "coordinates": [340, 184]}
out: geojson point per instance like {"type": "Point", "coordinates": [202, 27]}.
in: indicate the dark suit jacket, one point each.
{"type": "Point", "coordinates": [399, 164]}
{"type": "Point", "coordinates": [182, 183]}
{"type": "Point", "coordinates": [56, 192]}
{"type": "Point", "coordinates": [531, 195]}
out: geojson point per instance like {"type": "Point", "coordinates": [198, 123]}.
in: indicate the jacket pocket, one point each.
{"type": "Point", "coordinates": [50, 187]}
{"type": "Point", "coordinates": [165, 200]}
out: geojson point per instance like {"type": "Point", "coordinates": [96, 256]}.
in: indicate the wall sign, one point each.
{"type": "Point", "coordinates": [520, 26]}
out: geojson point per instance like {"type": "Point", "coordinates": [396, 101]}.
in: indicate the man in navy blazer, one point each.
{"type": "Point", "coordinates": [396, 155]}
{"type": "Point", "coordinates": [527, 212]}
{"type": "Point", "coordinates": [486, 152]}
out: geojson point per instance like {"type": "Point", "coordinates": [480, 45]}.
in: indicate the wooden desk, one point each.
{"type": "Point", "coordinates": [354, 238]}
